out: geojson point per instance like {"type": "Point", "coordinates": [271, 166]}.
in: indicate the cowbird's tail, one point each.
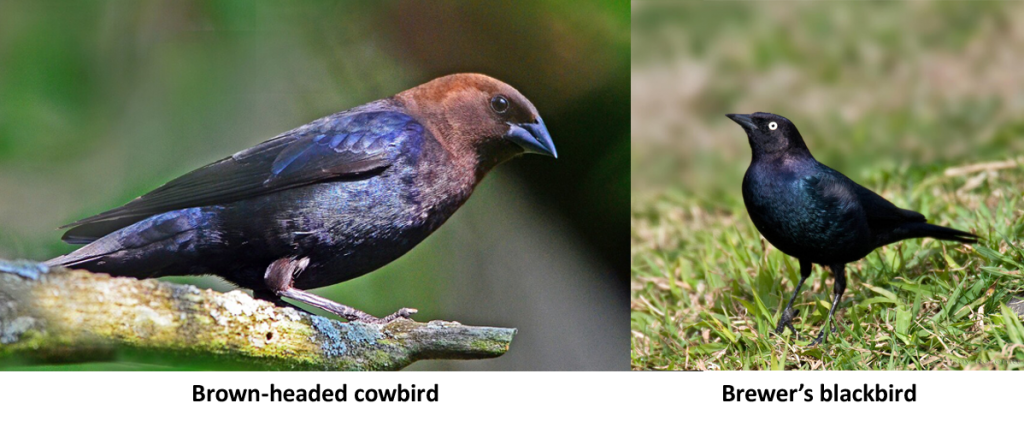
{"type": "Point", "coordinates": [923, 229]}
{"type": "Point", "coordinates": [161, 245]}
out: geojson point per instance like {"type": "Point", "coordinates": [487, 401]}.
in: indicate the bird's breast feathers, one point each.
{"type": "Point", "coordinates": [800, 212]}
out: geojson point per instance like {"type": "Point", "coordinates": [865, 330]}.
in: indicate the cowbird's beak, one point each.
{"type": "Point", "coordinates": [743, 119]}
{"type": "Point", "coordinates": [533, 137]}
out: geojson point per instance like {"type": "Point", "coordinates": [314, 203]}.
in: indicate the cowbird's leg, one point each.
{"type": "Point", "coordinates": [271, 297]}
{"type": "Point", "coordinates": [788, 314]}
{"type": "Point", "coordinates": [838, 270]}
{"type": "Point", "coordinates": [281, 274]}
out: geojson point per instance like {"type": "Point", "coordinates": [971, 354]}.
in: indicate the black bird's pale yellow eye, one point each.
{"type": "Point", "coordinates": [499, 104]}
{"type": "Point", "coordinates": [773, 126]}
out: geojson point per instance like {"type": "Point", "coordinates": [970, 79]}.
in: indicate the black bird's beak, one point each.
{"type": "Point", "coordinates": [744, 120]}
{"type": "Point", "coordinates": [533, 137]}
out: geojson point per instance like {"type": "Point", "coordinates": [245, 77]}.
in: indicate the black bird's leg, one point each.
{"type": "Point", "coordinates": [838, 270]}
{"type": "Point", "coordinates": [788, 314]}
{"type": "Point", "coordinates": [281, 274]}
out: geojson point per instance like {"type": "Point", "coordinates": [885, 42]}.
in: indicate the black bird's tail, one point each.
{"type": "Point", "coordinates": [924, 229]}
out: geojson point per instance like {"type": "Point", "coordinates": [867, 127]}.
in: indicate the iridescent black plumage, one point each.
{"type": "Point", "coordinates": [816, 214]}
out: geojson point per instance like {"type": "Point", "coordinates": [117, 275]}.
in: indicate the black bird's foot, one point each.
{"type": "Point", "coordinates": [822, 335]}
{"type": "Point", "coordinates": [786, 321]}
{"type": "Point", "coordinates": [280, 276]}
{"type": "Point", "coordinates": [820, 339]}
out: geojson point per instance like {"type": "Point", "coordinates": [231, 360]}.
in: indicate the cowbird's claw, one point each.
{"type": "Point", "coordinates": [404, 313]}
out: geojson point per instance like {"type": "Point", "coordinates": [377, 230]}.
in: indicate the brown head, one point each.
{"type": "Point", "coordinates": [478, 118]}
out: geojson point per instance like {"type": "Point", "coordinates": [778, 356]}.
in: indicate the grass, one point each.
{"type": "Point", "coordinates": [707, 290]}
{"type": "Point", "coordinates": [872, 87]}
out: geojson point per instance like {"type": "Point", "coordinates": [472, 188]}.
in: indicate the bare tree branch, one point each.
{"type": "Point", "coordinates": [58, 316]}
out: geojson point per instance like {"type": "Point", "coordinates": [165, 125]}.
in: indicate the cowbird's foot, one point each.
{"type": "Point", "coordinates": [353, 315]}
{"type": "Point", "coordinates": [786, 321]}
{"type": "Point", "coordinates": [404, 313]}
{"type": "Point", "coordinates": [280, 276]}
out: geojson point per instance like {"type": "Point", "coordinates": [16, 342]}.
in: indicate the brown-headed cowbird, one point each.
{"type": "Point", "coordinates": [809, 211]}
{"type": "Point", "coordinates": [325, 202]}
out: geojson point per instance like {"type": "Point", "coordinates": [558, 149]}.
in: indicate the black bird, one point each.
{"type": "Point", "coordinates": [322, 203]}
{"type": "Point", "coordinates": [809, 211]}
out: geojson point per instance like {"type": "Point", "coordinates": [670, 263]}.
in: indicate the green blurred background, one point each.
{"type": "Point", "coordinates": [871, 86]}
{"type": "Point", "coordinates": [101, 101]}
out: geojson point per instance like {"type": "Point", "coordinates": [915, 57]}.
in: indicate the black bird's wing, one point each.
{"type": "Point", "coordinates": [883, 212]}
{"type": "Point", "coordinates": [346, 145]}
{"type": "Point", "coordinates": [880, 212]}
{"type": "Point", "coordinates": [888, 222]}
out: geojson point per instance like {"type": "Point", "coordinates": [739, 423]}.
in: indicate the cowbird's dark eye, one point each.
{"type": "Point", "coordinates": [499, 104]}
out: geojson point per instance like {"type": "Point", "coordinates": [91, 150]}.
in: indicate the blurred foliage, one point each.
{"type": "Point", "coordinates": [870, 85]}
{"type": "Point", "coordinates": [102, 101]}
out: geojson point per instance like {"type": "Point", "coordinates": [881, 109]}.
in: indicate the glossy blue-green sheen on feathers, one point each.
{"type": "Point", "coordinates": [812, 212]}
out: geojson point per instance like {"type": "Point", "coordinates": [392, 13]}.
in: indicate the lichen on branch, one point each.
{"type": "Point", "coordinates": [59, 316]}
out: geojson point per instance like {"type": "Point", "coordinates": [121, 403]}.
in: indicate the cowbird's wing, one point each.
{"type": "Point", "coordinates": [347, 145]}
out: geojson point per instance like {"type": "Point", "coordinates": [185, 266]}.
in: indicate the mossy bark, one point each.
{"type": "Point", "coordinates": [57, 315]}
